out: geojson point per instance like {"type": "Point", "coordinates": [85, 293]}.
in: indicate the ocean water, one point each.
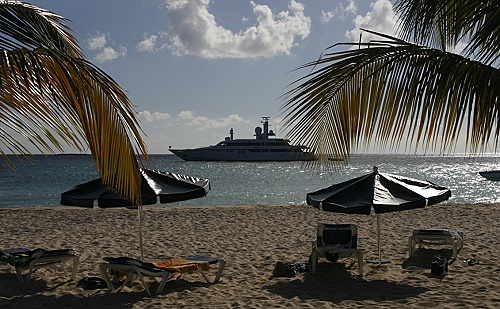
{"type": "Point", "coordinates": [238, 183]}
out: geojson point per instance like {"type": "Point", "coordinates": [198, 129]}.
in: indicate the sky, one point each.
{"type": "Point", "coordinates": [194, 69]}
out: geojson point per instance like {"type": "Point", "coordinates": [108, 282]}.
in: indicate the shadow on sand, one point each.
{"type": "Point", "coordinates": [422, 258]}
{"type": "Point", "coordinates": [38, 294]}
{"type": "Point", "coordinates": [333, 283]}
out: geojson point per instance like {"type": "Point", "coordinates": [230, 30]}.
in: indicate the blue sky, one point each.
{"type": "Point", "coordinates": [196, 68]}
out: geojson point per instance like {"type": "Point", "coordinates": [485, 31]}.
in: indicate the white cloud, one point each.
{"type": "Point", "coordinates": [380, 19]}
{"type": "Point", "coordinates": [147, 116]}
{"type": "Point", "coordinates": [351, 7]}
{"type": "Point", "coordinates": [185, 115]}
{"type": "Point", "coordinates": [97, 42]}
{"type": "Point", "coordinates": [105, 50]}
{"type": "Point", "coordinates": [326, 16]}
{"type": "Point", "coordinates": [148, 44]}
{"type": "Point", "coordinates": [152, 43]}
{"type": "Point", "coordinates": [343, 10]}
{"type": "Point", "coordinates": [193, 30]}
{"type": "Point", "coordinates": [109, 53]}
{"type": "Point", "coordinates": [201, 122]}
{"type": "Point", "coordinates": [189, 119]}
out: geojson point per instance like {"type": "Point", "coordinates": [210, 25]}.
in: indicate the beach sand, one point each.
{"type": "Point", "coordinates": [252, 239]}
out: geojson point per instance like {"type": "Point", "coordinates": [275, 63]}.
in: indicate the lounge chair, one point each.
{"type": "Point", "coordinates": [336, 241]}
{"type": "Point", "coordinates": [436, 237]}
{"type": "Point", "coordinates": [4, 257]}
{"type": "Point", "coordinates": [132, 268]}
{"type": "Point", "coordinates": [29, 260]}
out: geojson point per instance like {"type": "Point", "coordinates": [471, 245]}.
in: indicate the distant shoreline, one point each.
{"type": "Point", "coordinates": [166, 206]}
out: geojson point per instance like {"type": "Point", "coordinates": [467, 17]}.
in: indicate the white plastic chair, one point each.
{"type": "Point", "coordinates": [42, 259]}
{"type": "Point", "coordinates": [336, 239]}
{"type": "Point", "coordinates": [436, 237]}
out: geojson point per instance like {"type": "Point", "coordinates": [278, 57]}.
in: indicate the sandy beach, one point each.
{"type": "Point", "coordinates": [252, 239]}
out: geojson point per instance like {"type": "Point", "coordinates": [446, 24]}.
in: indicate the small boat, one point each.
{"type": "Point", "coordinates": [264, 147]}
{"type": "Point", "coordinates": [491, 175]}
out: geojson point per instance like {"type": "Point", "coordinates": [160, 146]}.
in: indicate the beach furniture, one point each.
{"type": "Point", "coordinates": [3, 252]}
{"type": "Point", "coordinates": [335, 241]}
{"type": "Point", "coordinates": [115, 269]}
{"type": "Point", "coordinates": [380, 193]}
{"type": "Point", "coordinates": [30, 260]}
{"type": "Point", "coordinates": [166, 187]}
{"type": "Point", "coordinates": [436, 237]}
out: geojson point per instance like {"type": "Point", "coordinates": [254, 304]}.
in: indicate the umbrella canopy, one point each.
{"type": "Point", "coordinates": [166, 186]}
{"type": "Point", "coordinates": [169, 187]}
{"type": "Point", "coordinates": [378, 191]}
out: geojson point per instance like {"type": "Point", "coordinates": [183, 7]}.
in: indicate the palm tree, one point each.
{"type": "Point", "coordinates": [51, 95]}
{"type": "Point", "coordinates": [401, 93]}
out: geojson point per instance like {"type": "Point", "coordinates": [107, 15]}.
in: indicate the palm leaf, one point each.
{"type": "Point", "coordinates": [395, 92]}
{"type": "Point", "coordinates": [23, 25]}
{"type": "Point", "coordinates": [443, 23]}
{"type": "Point", "coordinates": [49, 95]}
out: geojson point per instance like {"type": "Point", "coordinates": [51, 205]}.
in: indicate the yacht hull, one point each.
{"type": "Point", "coordinates": [239, 155]}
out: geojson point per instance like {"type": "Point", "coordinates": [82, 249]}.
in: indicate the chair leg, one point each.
{"type": "Point", "coordinates": [205, 277]}
{"type": "Point", "coordinates": [360, 263]}
{"type": "Point", "coordinates": [314, 262]}
{"type": "Point", "coordinates": [104, 268]}
{"type": "Point", "coordinates": [104, 272]}
{"type": "Point", "coordinates": [454, 245]}
{"type": "Point", "coordinates": [28, 276]}
{"type": "Point", "coordinates": [411, 247]}
{"type": "Point", "coordinates": [144, 283]}
{"type": "Point", "coordinates": [76, 260]}
{"type": "Point", "coordinates": [19, 275]}
{"type": "Point", "coordinates": [63, 267]}
{"type": "Point", "coordinates": [164, 280]}
{"type": "Point", "coordinates": [222, 263]}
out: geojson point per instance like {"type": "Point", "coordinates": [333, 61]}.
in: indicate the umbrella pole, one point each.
{"type": "Point", "coordinates": [140, 231]}
{"type": "Point", "coordinates": [378, 240]}
{"type": "Point", "coordinates": [379, 261]}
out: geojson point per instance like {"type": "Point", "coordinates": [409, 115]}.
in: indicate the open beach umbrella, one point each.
{"type": "Point", "coordinates": [378, 191]}
{"type": "Point", "coordinates": [166, 186]}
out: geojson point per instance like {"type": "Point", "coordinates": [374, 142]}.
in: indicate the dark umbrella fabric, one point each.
{"type": "Point", "coordinates": [168, 187]}
{"type": "Point", "coordinates": [378, 191]}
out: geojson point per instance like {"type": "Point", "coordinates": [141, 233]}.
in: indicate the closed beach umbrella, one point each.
{"type": "Point", "coordinates": [378, 191]}
{"type": "Point", "coordinates": [168, 187]}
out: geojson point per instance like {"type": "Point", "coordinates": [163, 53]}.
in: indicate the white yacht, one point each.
{"type": "Point", "coordinates": [265, 147]}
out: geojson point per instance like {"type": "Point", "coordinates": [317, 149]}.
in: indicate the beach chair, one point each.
{"type": "Point", "coordinates": [436, 237]}
{"type": "Point", "coordinates": [131, 269]}
{"type": "Point", "coordinates": [336, 241]}
{"type": "Point", "coordinates": [4, 258]}
{"type": "Point", "coordinates": [30, 260]}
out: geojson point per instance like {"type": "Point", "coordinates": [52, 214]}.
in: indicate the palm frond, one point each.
{"type": "Point", "coordinates": [49, 94]}
{"type": "Point", "coordinates": [443, 23]}
{"type": "Point", "coordinates": [23, 25]}
{"type": "Point", "coordinates": [395, 92]}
